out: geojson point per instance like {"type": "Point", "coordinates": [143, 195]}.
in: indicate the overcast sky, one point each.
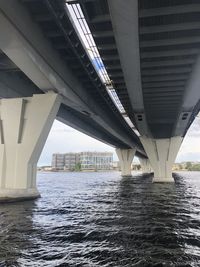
{"type": "Point", "coordinates": [63, 138]}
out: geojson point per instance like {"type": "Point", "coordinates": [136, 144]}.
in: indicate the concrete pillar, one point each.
{"type": "Point", "coordinates": [145, 165]}
{"type": "Point", "coordinates": [162, 154]}
{"type": "Point", "coordinates": [24, 127]}
{"type": "Point", "coordinates": [125, 158]}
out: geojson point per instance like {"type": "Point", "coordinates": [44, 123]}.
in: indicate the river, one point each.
{"type": "Point", "coordinates": [101, 220]}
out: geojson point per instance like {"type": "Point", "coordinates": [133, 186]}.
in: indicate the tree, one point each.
{"type": "Point", "coordinates": [188, 166]}
{"type": "Point", "coordinates": [78, 167]}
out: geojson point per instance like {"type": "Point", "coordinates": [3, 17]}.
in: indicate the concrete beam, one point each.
{"type": "Point", "coordinates": [43, 18]}
{"type": "Point", "coordinates": [164, 89]}
{"type": "Point", "coordinates": [195, 25]}
{"type": "Point", "coordinates": [123, 14]}
{"type": "Point", "coordinates": [163, 93]}
{"type": "Point", "coordinates": [167, 63]}
{"type": "Point", "coordinates": [190, 100]}
{"type": "Point", "coordinates": [100, 18]}
{"type": "Point", "coordinates": [53, 34]}
{"type": "Point", "coordinates": [161, 71]}
{"type": "Point", "coordinates": [170, 53]}
{"type": "Point", "coordinates": [102, 34]}
{"type": "Point", "coordinates": [165, 100]}
{"type": "Point", "coordinates": [106, 46]}
{"type": "Point", "coordinates": [169, 10]}
{"type": "Point", "coordinates": [110, 57]}
{"type": "Point", "coordinates": [192, 92]}
{"type": "Point", "coordinates": [13, 85]}
{"type": "Point", "coordinates": [166, 95]}
{"type": "Point", "coordinates": [168, 77]}
{"type": "Point", "coordinates": [168, 42]}
{"type": "Point", "coordinates": [113, 67]}
{"type": "Point", "coordinates": [164, 84]}
{"type": "Point", "coordinates": [116, 74]}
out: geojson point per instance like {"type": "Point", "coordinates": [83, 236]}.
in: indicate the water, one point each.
{"type": "Point", "coordinates": [101, 220]}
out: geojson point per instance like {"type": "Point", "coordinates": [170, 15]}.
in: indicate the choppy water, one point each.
{"type": "Point", "coordinates": [101, 220]}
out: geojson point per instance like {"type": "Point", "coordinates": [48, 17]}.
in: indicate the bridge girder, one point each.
{"type": "Point", "coordinates": [161, 49]}
{"type": "Point", "coordinates": [33, 54]}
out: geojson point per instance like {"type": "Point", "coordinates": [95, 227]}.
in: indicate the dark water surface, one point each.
{"type": "Point", "coordinates": [101, 220]}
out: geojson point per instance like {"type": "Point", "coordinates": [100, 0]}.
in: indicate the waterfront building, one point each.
{"type": "Point", "coordinates": [96, 160]}
{"type": "Point", "coordinates": [71, 160]}
{"type": "Point", "coordinates": [58, 161]}
{"type": "Point", "coordinates": [83, 160]}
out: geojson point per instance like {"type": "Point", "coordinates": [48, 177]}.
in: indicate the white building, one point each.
{"type": "Point", "coordinates": [96, 160]}
{"type": "Point", "coordinates": [87, 160]}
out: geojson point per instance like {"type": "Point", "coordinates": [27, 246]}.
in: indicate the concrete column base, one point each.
{"type": "Point", "coordinates": [25, 124]}
{"type": "Point", "coordinates": [163, 180]}
{"type": "Point", "coordinates": [162, 154]}
{"type": "Point", "coordinates": [125, 158]}
{"type": "Point", "coordinates": [145, 165]}
{"type": "Point", "coordinates": [11, 195]}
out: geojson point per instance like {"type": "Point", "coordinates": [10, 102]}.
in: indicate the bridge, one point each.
{"type": "Point", "coordinates": [135, 87]}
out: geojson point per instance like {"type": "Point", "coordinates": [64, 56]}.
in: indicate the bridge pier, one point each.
{"type": "Point", "coordinates": [145, 165]}
{"type": "Point", "coordinates": [125, 158]}
{"type": "Point", "coordinates": [162, 154]}
{"type": "Point", "coordinates": [24, 126]}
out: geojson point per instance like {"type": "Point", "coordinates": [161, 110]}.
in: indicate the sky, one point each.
{"type": "Point", "coordinates": [63, 139]}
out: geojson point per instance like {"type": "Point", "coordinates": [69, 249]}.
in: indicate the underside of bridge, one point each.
{"type": "Point", "coordinates": [86, 103]}
{"type": "Point", "coordinates": [150, 50]}
{"type": "Point", "coordinates": [150, 54]}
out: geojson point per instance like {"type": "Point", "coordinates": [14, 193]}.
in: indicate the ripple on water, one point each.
{"type": "Point", "coordinates": [101, 220]}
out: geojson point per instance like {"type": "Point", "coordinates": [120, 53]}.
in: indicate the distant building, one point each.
{"type": "Point", "coordinates": [65, 161]}
{"type": "Point", "coordinates": [96, 160]}
{"type": "Point", "coordinates": [71, 160]}
{"type": "Point", "coordinates": [58, 161]}
{"type": "Point", "coordinates": [83, 160]}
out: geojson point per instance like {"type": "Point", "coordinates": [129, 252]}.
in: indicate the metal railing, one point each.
{"type": "Point", "coordinates": [88, 42]}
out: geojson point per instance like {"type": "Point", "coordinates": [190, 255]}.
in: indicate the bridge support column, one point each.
{"type": "Point", "coordinates": [24, 127]}
{"type": "Point", "coordinates": [162, 154]}
{"type": "Point", "coordinates": [125, 158]}
{"type": "Point", "coordinates": [145, 165]}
